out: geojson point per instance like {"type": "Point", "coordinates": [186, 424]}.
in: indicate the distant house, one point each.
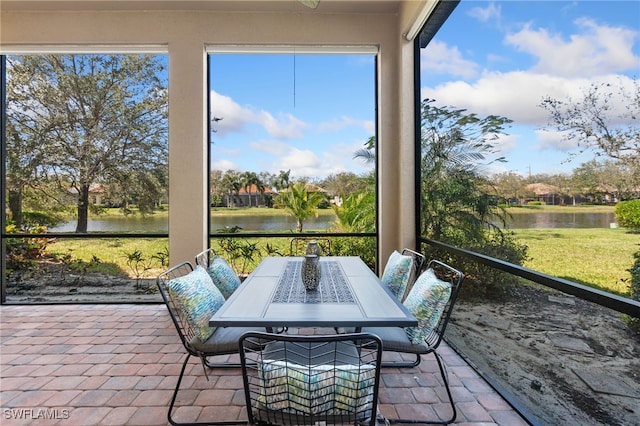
{"type": "Point", "coordinates": [248, 197]}
{"type": "Point", "coordinates": [545, 193]}
{"type": "Point", "coordinates": [97, 193]}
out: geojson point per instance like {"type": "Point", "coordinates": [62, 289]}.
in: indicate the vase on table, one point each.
{"type": "Point", "coordinates": [310, 271]}
{"type": "Point", "coordinates": [313, 248]}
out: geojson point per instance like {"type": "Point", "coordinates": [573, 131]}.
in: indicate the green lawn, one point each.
{"type": "Point", "coordinates": [599, 257]}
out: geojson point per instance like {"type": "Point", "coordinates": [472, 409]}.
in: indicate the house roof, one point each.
{"type": "Point", "coordinates": [253, 189]}
{"type": "Point", "coordinates": [542, 188]}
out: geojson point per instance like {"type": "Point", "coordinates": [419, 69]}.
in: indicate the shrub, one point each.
{"type": "Point", "coordinates": [634, 288]}
{"type": "Point", "coordinates": [628, 214]}
{"type": "Point", "coordinates": [22, 252]}
{"type": "Point", "coordinates": [33, 219]}
{"type": "Point", "coordinates": [365, 247]}
{"type": "Point", "coordinates": [482, 281]}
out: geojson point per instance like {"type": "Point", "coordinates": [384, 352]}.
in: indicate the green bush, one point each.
{"type": "Point", "coordinates": [634, 288]}
{"type": "Point", "coordinates": [22, 252]}
{"type": "Point", "coordinates": [365, 247]}
{"type": "Point", "coordinates": [33, 219]}
{"type": "Point", "coordinates": [482, 281]}
{"type": "Point", "coordinates": [628, 214]}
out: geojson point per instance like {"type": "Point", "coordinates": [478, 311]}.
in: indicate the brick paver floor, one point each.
{"type": "Point", "coordinates": [118, 365]}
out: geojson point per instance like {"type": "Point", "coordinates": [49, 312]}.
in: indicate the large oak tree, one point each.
{"type": "Point", "coordinates": [88, 120]}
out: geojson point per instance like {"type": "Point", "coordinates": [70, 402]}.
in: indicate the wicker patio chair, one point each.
{"type": "Point", "coordinates": [311, 380]}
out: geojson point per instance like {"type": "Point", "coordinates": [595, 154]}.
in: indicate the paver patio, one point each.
{"type": "Point", "coordinates": [118, 365]}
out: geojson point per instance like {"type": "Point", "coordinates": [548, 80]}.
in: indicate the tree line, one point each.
{"type": "Point", "coordinates": [598, 182]}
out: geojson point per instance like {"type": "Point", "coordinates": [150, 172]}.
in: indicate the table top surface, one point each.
{"type": "Point", "coordinates": [349, 295]}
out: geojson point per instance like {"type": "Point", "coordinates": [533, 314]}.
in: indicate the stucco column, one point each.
{"type": "Point", "coordinates": [188, 169]}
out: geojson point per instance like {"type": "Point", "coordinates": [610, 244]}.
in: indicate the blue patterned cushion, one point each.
{"type": "Point", "coordinates": [198, 298]}
{"type": "Point", "coordinates": [426, 301]}
{"type": "Point", "coordinates": [223, 276]}
{"type": "Point", "coordinates": [330, 389]}
{"type": "Point", "coordinates": [396, 273]}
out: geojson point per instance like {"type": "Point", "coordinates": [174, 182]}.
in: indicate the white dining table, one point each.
{"type": "Point", "coordinates": [349, 295]}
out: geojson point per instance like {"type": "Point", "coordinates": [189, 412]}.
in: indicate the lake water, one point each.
{"type": "Point", "coordinates": [560, 220]}
{"type": "Point", "coordinates": [160, 224]}
{"type": "Point", "coordinates": [275, 223]}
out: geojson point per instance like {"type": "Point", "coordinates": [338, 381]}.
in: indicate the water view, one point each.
{"type": "Point", "coordinates": [274, 223]}
{"type": "Point", "coordinates": [560, 220]}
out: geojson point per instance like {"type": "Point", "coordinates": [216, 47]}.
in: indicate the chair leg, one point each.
{"type": "Point", "coordinates": [175, 396]}
{"type": "Point", "coordinates": [404, 364]}
{"type": "Point", "coordinates": [220, 364]}
{"type": "Point", "coordinates": [445, 379]}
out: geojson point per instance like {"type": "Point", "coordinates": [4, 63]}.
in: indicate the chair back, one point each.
{"type": "Point", "coordinates": [205, 258]}
{"type": "Point", "coordinates": [454, 277]}
{"type": "Point", "coordinates": [298, 245]}
{"type": "Point", "coordinates": [177, 313]}
{"type": "Point", "coordinates": [309, 380]}
{"type": "Point", "coordinates": [416, 268]}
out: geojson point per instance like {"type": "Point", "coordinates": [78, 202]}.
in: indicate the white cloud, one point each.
{"type": "Point", "coordinates": [338, 157]}
{"type": "Point", "coordinates": [344, 122]}
{"type": "Point", "coordinates": [486, 14]}
{"type": "Point", "coordinates": [595, 50]}
{"type": "Point", "coordinates": [517, 95]}
{"type": "Point", "coordinates": [274, 148]}
{"type": "Point", "coordinates": [555, 140]}
{"type": "Point", "coordinates": [235, 118]}
{"type": "Point", "coordinates": [224, 165]}
{"type": "Point", "coordinates": [301, 162]}
{"type": "Point", "coordinates": [506, 143]}
{"type": "Point", "coordinates": [440, 58]}
{"type": "Point", "coordinates": [286, 127]}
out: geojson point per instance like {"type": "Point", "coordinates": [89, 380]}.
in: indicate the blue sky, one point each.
{"type": "Point", "coordinates": [307, 113]}
{"type": "Point", "coordinates": [310, 113]}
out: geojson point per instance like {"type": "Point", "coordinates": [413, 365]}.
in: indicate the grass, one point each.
{"type": "Point", "coordinates": [597, 257]}
{"type": "Point", "coordinates": [110, 255]}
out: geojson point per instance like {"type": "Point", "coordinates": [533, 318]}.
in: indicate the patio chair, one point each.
{"type": "Point", "coordinates": [298, 245]}
{"type": "Point", "coordinates": [191, 299]}
{"type": "Point", "coordinates": [431, 300]}
{"type": "Point", "coordinates": [223, 275]}
{"type": "Point", "coordinates": [311, 380]}
{"type": "Point", "coordinates": [401, 271]}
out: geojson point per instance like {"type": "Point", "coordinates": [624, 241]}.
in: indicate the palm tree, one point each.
{"type": "Point", "coordinates": [282, 181]}
{"type": "Point", "coordinates": [357, 212]}
{"type": "Point", "coordinates": [454, 200]}
{"type": "Point", "coordinates": [231, 182]}
{"type": "Point", "coordinates": [300, 203]}
{"type": "Point", "coordinates": [368, 153]}
{"type": "Point", "coordinates": [248, 180]}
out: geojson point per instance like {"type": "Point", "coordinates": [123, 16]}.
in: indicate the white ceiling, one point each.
{"type": "Point", "coordinates": [325, 6]}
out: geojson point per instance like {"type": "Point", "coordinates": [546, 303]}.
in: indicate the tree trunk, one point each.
{"type": "Point", "coordinates": [299, 225]}
{"type": "Point", "coordinates": [83, 210]}
{"type": "Point", "coordinates": [15, 207]}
